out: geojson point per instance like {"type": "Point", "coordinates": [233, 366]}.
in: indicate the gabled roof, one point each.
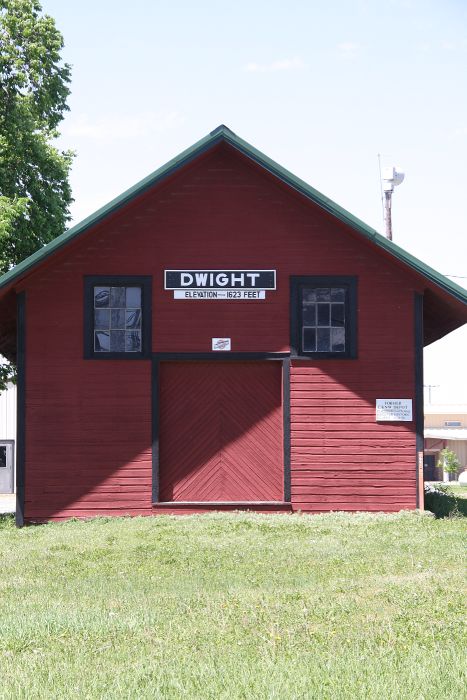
{"type": "Point", "coordinates": [223, 133]}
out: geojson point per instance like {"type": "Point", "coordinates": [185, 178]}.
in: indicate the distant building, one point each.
{"type": "Point", "coordinates": [7, 439]}
{"type": "Point", "coordinates": [445, 426]}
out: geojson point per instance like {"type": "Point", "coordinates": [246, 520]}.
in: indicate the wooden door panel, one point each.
{"type": "Point", "coordinates": [221, 431]}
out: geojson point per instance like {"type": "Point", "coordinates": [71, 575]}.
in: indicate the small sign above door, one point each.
{"type": "Point", "coordinates": [222, 344]}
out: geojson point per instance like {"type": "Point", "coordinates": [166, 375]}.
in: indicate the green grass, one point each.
{"type": "Point", "coordinates": [458, 490]}
{"type": "Point", "coordinates": [234, 606]}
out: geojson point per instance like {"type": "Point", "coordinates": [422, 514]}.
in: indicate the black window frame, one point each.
{"type": "Point", "coordinates": [143, 281]}
{"type": "Point", "coordinates": [350, 284]}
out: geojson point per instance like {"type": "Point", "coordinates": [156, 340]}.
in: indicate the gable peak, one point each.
{"type": "Point", "coordinates": [222, 129]}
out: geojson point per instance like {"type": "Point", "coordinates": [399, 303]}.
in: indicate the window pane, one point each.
{"type": "Point", "coordinates": [2, 456]}
{"type": "Point", "coordinates": [323, 341]}
{"type": "Point", "coordinates": [337, 294]}
{"type": "Point", "coordinates": [323, 314]}
{"type": "Point", "coordinates": [309, 295]}
{"type": "Point", "coordinates": [133, 341]}
{"type": "Point", "coordinates": [323, 294]}
{"type": "Point", "coordinates": [117, 341]}
{"type": "Point", "coordinates": [338, 339]}
{"type": "Point", "coordinates": [102, 341]}
{"type": "Point", "coordinates": [102, 318]}
{"type": "Point", "coordinates": [133, 297]}
{"type": "Point", "coordinates": [118, 318]}
{"type": "Point", "coordinates": [101, 296]}
{"type": "Point", "coordinates": [324, 318]}
{"type": "Point", "coordinates": [133, 318]}
{"type": "Point", "coordinates": [117, 297]}
{"type": "Point", "coordinates": [309, 315]}
{"type": "Point", "coordinates": [337, 314]}
{"type": "Point", "coordinates": [309, 339]}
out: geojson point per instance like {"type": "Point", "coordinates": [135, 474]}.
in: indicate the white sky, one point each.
{"type": "Point", "coordinates": [320, 87]}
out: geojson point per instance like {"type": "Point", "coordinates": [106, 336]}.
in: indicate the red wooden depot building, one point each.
{"type": "Point", "coordinates": [221, 336]}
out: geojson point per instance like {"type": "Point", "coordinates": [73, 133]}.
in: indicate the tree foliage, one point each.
{"type": "Point", "coordinates": [448, 461]}
{"type": "Point", "coordinates": [34, 86]}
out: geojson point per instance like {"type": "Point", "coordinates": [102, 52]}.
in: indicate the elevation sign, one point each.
{"type": "Point", "coordinates": [220, 284]}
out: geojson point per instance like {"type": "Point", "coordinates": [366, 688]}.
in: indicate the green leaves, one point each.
{"type": "Point", "coordinates": [34, 190]}
{"type": "Point", "coordinates": [35, 194]}
{"type": "Point", "coordinates": [448, 461]}
{"type": "Point", "coordinates": [30, 63]}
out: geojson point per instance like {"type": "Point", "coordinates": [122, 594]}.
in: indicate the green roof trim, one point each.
{"type": "Point", "coordinates": [223, 133]}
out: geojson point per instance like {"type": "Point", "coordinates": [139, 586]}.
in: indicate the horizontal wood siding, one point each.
{"type": "Point", "coordinates": [89, 440]}
{"type": "Point", "coordinates": [341, 459]}
{"type": "Point", "coordinates": [88, 422]}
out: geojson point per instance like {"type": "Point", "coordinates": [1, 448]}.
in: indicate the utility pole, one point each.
{"type": "Point", "coordinates": [430, 387]}
{"type": "Point", "coordinates": [387, 212]}
{"type": "Point", "coordinates": [391, 178]}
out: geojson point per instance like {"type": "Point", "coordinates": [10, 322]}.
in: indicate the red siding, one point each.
{"type": "Point", "coordinates": [341, 458]}
{"type": "Point", "coordinates": [88, 448]}
{"type": "Point", "coordinates": [88, 439]}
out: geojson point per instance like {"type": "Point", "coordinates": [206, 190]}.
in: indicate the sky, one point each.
{"type": "Point", "coordinates": [320, 87]}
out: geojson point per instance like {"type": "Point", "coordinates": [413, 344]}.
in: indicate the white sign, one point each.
{"type": "Point", "coordinates": [221, 344]}
{"type": "Point", "coordinates": [251, 294]}
{"type": "Point", "coordinates": [248, 285]}
{"type": "Point", "coordinates": [393, 409]}
{"type": "Point", "coordinates": [219, 279]}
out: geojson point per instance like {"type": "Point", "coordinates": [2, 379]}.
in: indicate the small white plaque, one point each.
{"type": "Point", "coordinates": [222, 344]}
{"type": "Point", "coordinates": [393, 409]}
{"type": "Point", "coordinates": [225, 294]}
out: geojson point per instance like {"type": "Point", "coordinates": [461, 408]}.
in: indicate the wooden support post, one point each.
{"type": "Point", "coordinates": [421, 484]}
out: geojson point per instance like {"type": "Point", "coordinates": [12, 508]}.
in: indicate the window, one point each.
{"type": "Point", "coordinates": [117, 317]}
{"type": "Point", "coordinates": [323, 317]}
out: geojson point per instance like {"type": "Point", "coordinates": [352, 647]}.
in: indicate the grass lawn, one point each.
{"type": "Point", "coordinates": [234, 606]}
{"type": "Point", "coordinates": [458, 490]}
